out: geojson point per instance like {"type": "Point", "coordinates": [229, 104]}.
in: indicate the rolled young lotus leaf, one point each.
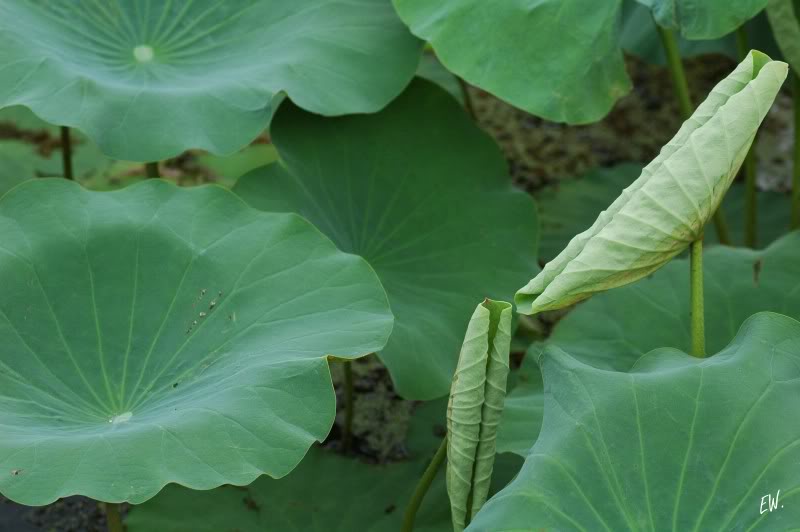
{"type": "Point", "coordinates": [475, 409]}
{"type": "Point", "coordinates": [666, 208]}
{"type": "Point", "coordinates": [786, 29]}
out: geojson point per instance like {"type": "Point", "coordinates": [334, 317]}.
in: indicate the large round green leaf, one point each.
{"type": "Point", "coordinates": [424, 195]}
{"type": "Point", "coordinates": [326, 493]}
{"type": "Point", "coordinates": [614, 329]}
{"type": "Point", "coordinates": [679, 443]}
{"type": "Point", "coordinates": [507, 48]}
{"type": "Point", "coordinates": [149, 79]}
{"type": "Point", "coordinates": [158, 334]}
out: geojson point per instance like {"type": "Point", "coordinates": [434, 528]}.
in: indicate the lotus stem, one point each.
{"type": "Point", "coordinates": [685, 103]}
{"type": "Point", "coordinates": [423, 485]}
{"type": "Point", "coordinates": [467, 98]}
{"type": "Point", "coordinates": [113, 518]}
{"type": "Point", "coordinates": [151, 170]}
{"type": "Point", "coordinates": [698, 325]}
{"type": "Point", "coordinates": [751, 197]}
{"type": "Point", "coordinates": [676, 70]}
{"type": "Point", "coordinates": [347, 436]}
{"type": "Point", "coordinates": [795, 224]}
{"type": "Point", "coordinates": [66, 152]}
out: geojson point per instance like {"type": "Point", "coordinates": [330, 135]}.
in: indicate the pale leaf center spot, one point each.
{"type": "Point", "coordinates": [143, 53]}
{"type": "Point", "coordinates": [122, 418]}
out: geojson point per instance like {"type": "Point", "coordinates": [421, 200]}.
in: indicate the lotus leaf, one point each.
{"type": "Point", "coordinates": [422, 194]}
{"type": "Point", "coordinates": [148, 79]}
{"type": "Point", "coordinates": [679, 443]}
{"type": "Point", "coordinates": [572, 206]}
{"type": "Point", "coordinates": [613, 330]}
{"type": "Point", "coordinates": [17, 163]}
{"type": "Point", "coordinates": [667, 207]}
{"type": "Point", "coordinates": [705, 19]}
{"type": "Point", "coordinates": [475, 407]}
{"type": "Point", "coordinates": [325, 493]}
{"type": "Point", "coordinates": [507, 49]}
{"type": "Point", "coordinates": [157, 334]}
{"type": "Point", "coordinates": [786, 29]}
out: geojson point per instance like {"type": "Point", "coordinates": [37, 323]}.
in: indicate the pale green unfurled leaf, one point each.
{"type": "Point", "coordinates": [666, 208]}
{"type": "Point", "coordinates": [475, 408]}
{"type": "Point", "coordinates": [786, 29]}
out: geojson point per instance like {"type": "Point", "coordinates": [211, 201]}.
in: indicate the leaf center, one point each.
{"type": "Point", "coordinates": [143, 53]}
{"type": "Point", "coordinates": [121, 418]}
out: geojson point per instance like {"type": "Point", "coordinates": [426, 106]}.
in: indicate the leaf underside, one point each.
{"type": "Point", "coordinates": [667, 207]}
{"type": "Point", "coordinates": [475, 408]}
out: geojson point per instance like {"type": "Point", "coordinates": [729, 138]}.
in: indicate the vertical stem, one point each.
{"type": "Point", "coordinates": [151, 169]}
{"type": "Point", "coordinates": [467, 98]}
{"type": "Point", "coordinates": [749, 167]}
{"type": "Point", "coordinates": [796, 168]}
{"type": "Point", "coordinates": [113, 519]}
{"type": "Point", "coordinates": [676, 71]}
{"type": "Point", "coordinates": [423, 486]}
{"type": "Point", "coordinates": [750, 200]}
{"type": "Point", "coordinates": [697, 309]}
{"type": "Point", "coordinates": [685, 103]}
{"type": "Point", "coordinates": [347, 437]}
{"type": "Point", "coordinates": [66, 152]}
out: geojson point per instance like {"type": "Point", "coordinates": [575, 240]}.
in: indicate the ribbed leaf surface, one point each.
{"type": "Point", "coordinates": [475, 408]}
{"type": "Point", "coordinates": [666, 208]}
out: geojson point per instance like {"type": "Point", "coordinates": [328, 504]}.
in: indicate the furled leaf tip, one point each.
{"type": "Point", "coordinates": [475, 408]}
{"type": "Point", "coordinates": [666, 208]}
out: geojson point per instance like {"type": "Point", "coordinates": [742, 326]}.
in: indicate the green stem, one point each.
{"type": "Point", "coordinates": [467, 99]}
{"type": "Point", "coordinates": [750, 200]}
{"type": "Point", "coordinates": [750, 197]}
{"type": "Point", "coordinates": [685, 103]}
{"type": "Point", "coordinates": [151, 170]}
{"type": "Point", "coordinates": [113, 518]}
{"type": "Point", "coordinates": [66, 152]}
{"type": "Point", "coordinates": [347, 437]}
{"type": "Point", "coordinates": [676, 71]}
{"type": "Point", "coordinates": [796, 168]}
{"type": "Point", "coordinates": [423, 485]}
{"type": "Point", "coordinates": [697, 311]}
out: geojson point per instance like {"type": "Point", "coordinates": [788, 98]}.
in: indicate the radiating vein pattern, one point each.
{"type": "Point", "coordinates": [678, 443]}
{"type": "Point", "coordinates": [132, 322]}
{"type": "Point", "coordinates": [197, 66]}
{"type": "Point", "coordinates": [674, 197]}
{"type": "Point", "coordinates": [614, 329]}
{"type": "Point", "coordinates": [425, 197]}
